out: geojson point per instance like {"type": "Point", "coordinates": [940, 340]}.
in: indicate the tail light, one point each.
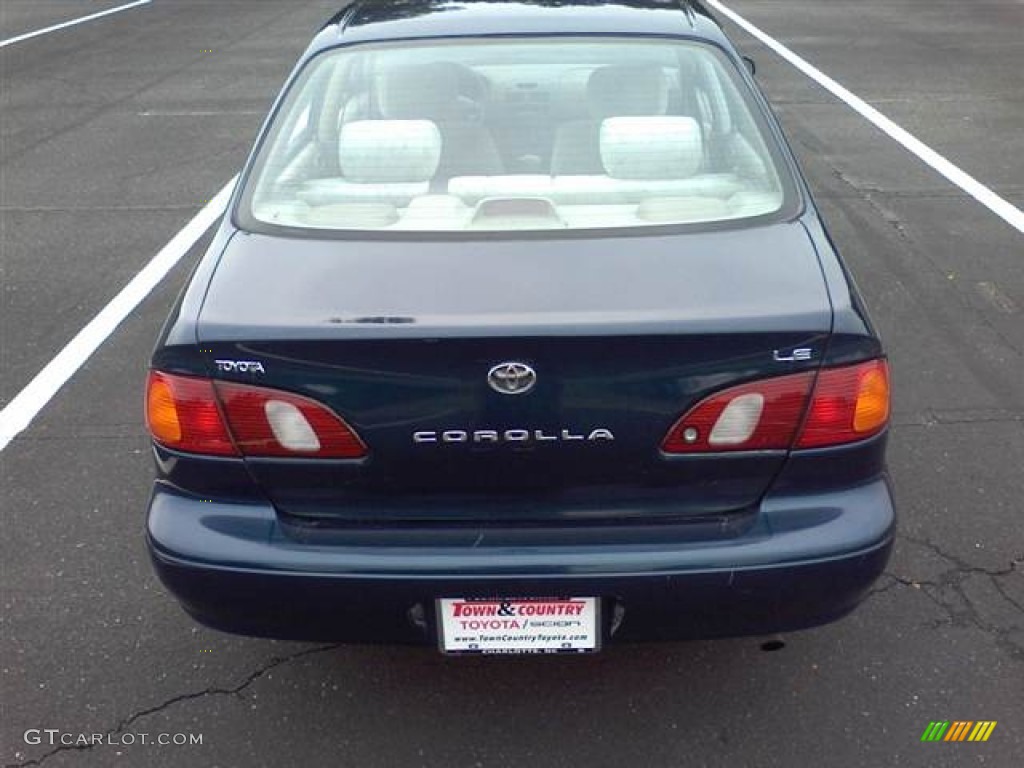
{"type": "Point", "coordinates": [843, 405]}
{"type": "Point", "coordinates": [849, 404]}
{"type": "Point", "coordinates": [226, 419]}
{"type": "Point", "coordinates": [268, 422]}
{"type": "Point", "coordinates": [182, 413]}
{"type": "Point", "coordinates": [758, 416]}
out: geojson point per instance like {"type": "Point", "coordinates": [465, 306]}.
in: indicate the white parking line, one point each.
{"type": "Point", "coordinates": [1000, 207]}
{"type": "Point", "coordinates": [20, 412]}
{"type": "Point", "coordinates": [73, 22]}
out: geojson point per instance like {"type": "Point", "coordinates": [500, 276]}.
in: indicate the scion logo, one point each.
{"type": "Point", "coordinates": [512, 378]}
{"type": "Point", "coordinates": [240, 366]}
{"type": "Point", "coordinates": [511, 436]}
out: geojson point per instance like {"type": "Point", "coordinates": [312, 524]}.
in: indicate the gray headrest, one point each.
{"type": "Point", "coordinates": [651, 147]}
{"type": "Point", "coordinates": [423, 91]}
{"type": "Point", "coordinates": [627, 89]}
{"type": "Point", "coordinates": [389, 151]}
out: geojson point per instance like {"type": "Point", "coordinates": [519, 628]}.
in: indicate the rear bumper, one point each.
{"type": "Point", "coordinates": [801, 561]}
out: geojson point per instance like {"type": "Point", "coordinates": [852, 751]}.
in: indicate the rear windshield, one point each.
{"type": "Point", "coordinates": [515, 134]}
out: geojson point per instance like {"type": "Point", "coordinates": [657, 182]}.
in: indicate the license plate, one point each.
{"type": "Point", "coordinates": [519, 625]}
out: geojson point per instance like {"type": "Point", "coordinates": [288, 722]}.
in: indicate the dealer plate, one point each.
{"type": "Point", "coordinates": [519, 625]}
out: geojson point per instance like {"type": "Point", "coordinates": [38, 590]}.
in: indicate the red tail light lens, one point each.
{"type": "Point", "coordinates": [758, 416]}
{"type": "Point", "coordinates": [182, 414]}
{"type": "Point", "coordinates": [847, 404]}
{"type": "Point", "coordinates": [201, 416]}
{"type": "Point", "coordinates": [268, 422]}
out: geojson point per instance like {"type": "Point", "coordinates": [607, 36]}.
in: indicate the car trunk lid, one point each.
{"type": "Point", "coordinates": [623, 335]}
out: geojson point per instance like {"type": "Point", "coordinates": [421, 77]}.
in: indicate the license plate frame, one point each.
{"type": "Point", "coordinates": [518, 625]}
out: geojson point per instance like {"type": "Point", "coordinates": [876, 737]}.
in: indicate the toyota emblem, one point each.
{"type": "Point", "coordinates": [512, 378]}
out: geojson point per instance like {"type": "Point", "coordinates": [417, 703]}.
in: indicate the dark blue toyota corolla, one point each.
{"type": "Point", "coordinates": [522, 334]}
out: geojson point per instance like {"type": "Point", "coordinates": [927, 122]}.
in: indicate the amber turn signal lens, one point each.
{"type": "Point", "coordinates": [849, 403]}
{"type": "Point", "coordinates": [872, 409]}
{"type": "Point", "coordinates": [182, 414]}
{"type": "Point", "coordinates": [161, 412]}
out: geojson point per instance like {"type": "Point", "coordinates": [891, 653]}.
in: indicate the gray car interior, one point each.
{"type": "Point", "coordinates": [437, 139]}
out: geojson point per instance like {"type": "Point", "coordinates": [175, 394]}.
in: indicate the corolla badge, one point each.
{"type": "Point", "coordinates": [512, 378]}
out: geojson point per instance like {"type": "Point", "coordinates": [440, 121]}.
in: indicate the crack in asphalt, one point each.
{"type": "Point", "coordinates": [963, 565]}
{"type": "Point", "coordinates": [932, 417]}
{"type": "Point", "coordinates": [952, 579]}
{"type": "Point", "coordinates": [1006, 596]}
{"type": "Point", "coordinates": [870, 196]}
{"type": "Point", "coordinates": [273, 663]}
{"type": "Point", "coordinates": [949, 579]}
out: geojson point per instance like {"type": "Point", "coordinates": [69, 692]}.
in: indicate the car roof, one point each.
{"type": "Point", "coordinates": [382, 20]}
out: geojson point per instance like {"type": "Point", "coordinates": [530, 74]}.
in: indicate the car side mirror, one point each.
{"type": "Point", "coordinates": [751, 66]}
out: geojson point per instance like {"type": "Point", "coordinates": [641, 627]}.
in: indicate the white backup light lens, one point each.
{"type": "Point", "coordinates": [738, 421]}
{"type": "Point", "coordinates": [290, 427]}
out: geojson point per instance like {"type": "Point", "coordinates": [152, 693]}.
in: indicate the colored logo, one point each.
{"type": "Point", "coordinates": [958, 730]}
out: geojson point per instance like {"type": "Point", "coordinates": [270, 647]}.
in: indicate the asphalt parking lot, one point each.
{"type": "Point", "coordinates": [115, 132]}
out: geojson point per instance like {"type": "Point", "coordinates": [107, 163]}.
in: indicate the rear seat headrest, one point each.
{"type": "Point", "coordinates": [651, 147]}
{"type": "Point", "coordinates": [389, 151]}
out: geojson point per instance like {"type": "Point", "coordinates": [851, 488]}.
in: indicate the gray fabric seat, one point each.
{"type": "Point", "coordinates": [626, 90]}
{"type": "Point", "coordinates": [381, 161]}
